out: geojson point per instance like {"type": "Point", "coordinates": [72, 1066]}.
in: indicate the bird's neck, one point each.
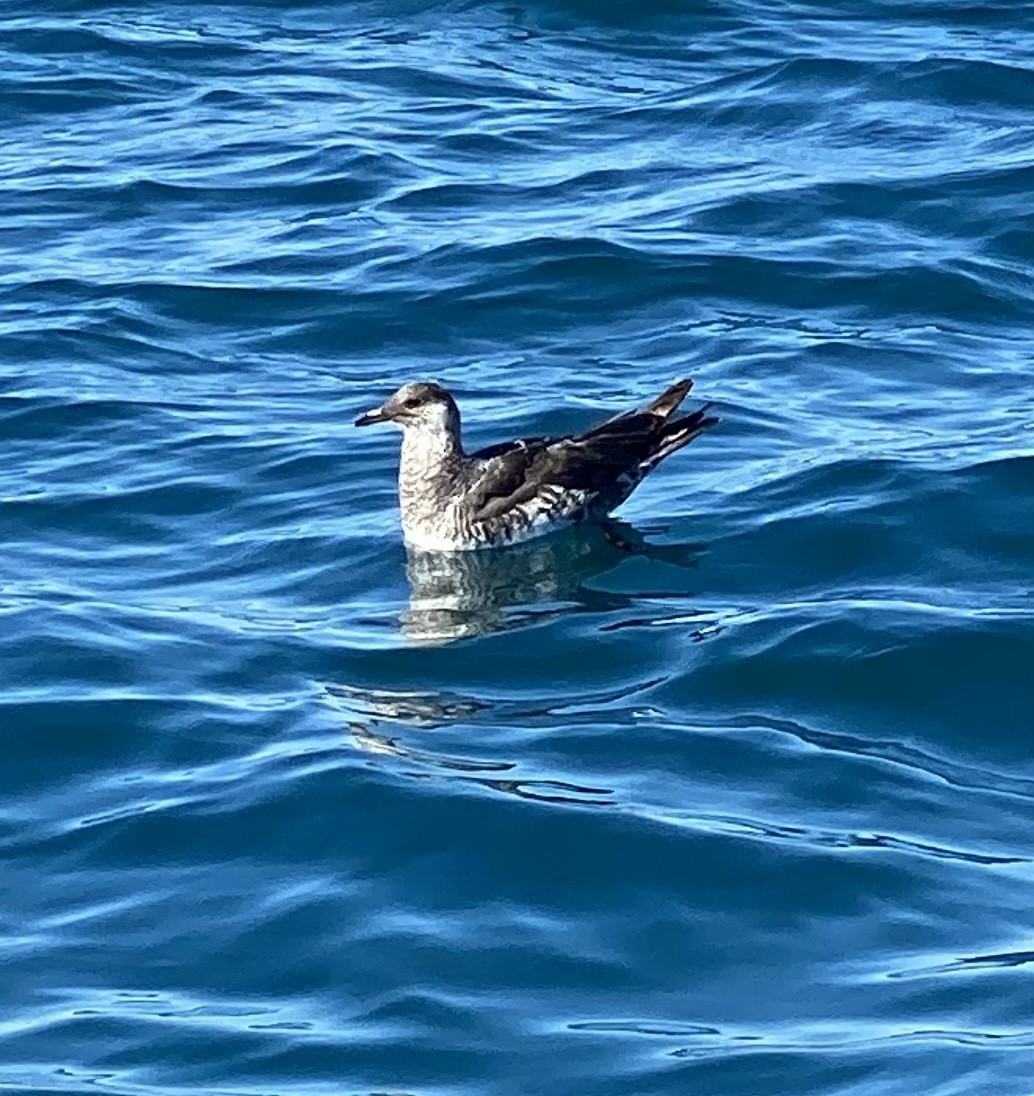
{"type": "Point", "coordinates": [431, 462]}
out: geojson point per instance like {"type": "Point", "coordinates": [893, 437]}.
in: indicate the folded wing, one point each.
{"type": "Point", "coordinates": [600, 467]}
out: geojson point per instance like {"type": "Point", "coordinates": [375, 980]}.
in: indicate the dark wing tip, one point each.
{"type": "Point", "coordinates": [668, 401]}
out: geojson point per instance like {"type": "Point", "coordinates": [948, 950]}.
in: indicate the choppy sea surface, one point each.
{"type": "Point", "coordinates": [738, 801]}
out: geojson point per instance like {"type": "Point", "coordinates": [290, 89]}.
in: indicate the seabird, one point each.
{"type": "Point", "coordinates": [455, 501]}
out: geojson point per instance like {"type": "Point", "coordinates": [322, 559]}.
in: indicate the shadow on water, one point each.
{"type": "Point", "coordinates": [458, 595]}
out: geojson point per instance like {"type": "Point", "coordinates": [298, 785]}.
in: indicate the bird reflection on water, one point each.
{"type": "Point", "coordinates": [456, 595]}
{"type": "Point", "coordinates": [379, 722]}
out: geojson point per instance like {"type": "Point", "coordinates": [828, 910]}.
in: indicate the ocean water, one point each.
{"type": "Point", "coordinates": [738, 801]}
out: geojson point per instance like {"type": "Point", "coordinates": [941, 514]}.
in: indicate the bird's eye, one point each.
{"type": "Point", "coordinates": [412, 403]}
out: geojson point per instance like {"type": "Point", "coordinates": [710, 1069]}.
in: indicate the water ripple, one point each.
{"type": "Point", "coordinates": [733, 795]}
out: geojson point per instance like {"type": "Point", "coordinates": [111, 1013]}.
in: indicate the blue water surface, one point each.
{"type": "Point", "coordinates": [738, 802]}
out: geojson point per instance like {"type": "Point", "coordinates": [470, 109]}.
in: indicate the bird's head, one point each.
{"type": "Point", "coordinates": [424, 405]}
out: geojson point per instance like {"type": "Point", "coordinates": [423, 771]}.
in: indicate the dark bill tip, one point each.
{"type": "Point", "coordinates": [377, 415]}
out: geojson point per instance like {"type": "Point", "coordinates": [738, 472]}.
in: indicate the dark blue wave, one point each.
{"type": "Point", "coordinates": [735, 796]}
